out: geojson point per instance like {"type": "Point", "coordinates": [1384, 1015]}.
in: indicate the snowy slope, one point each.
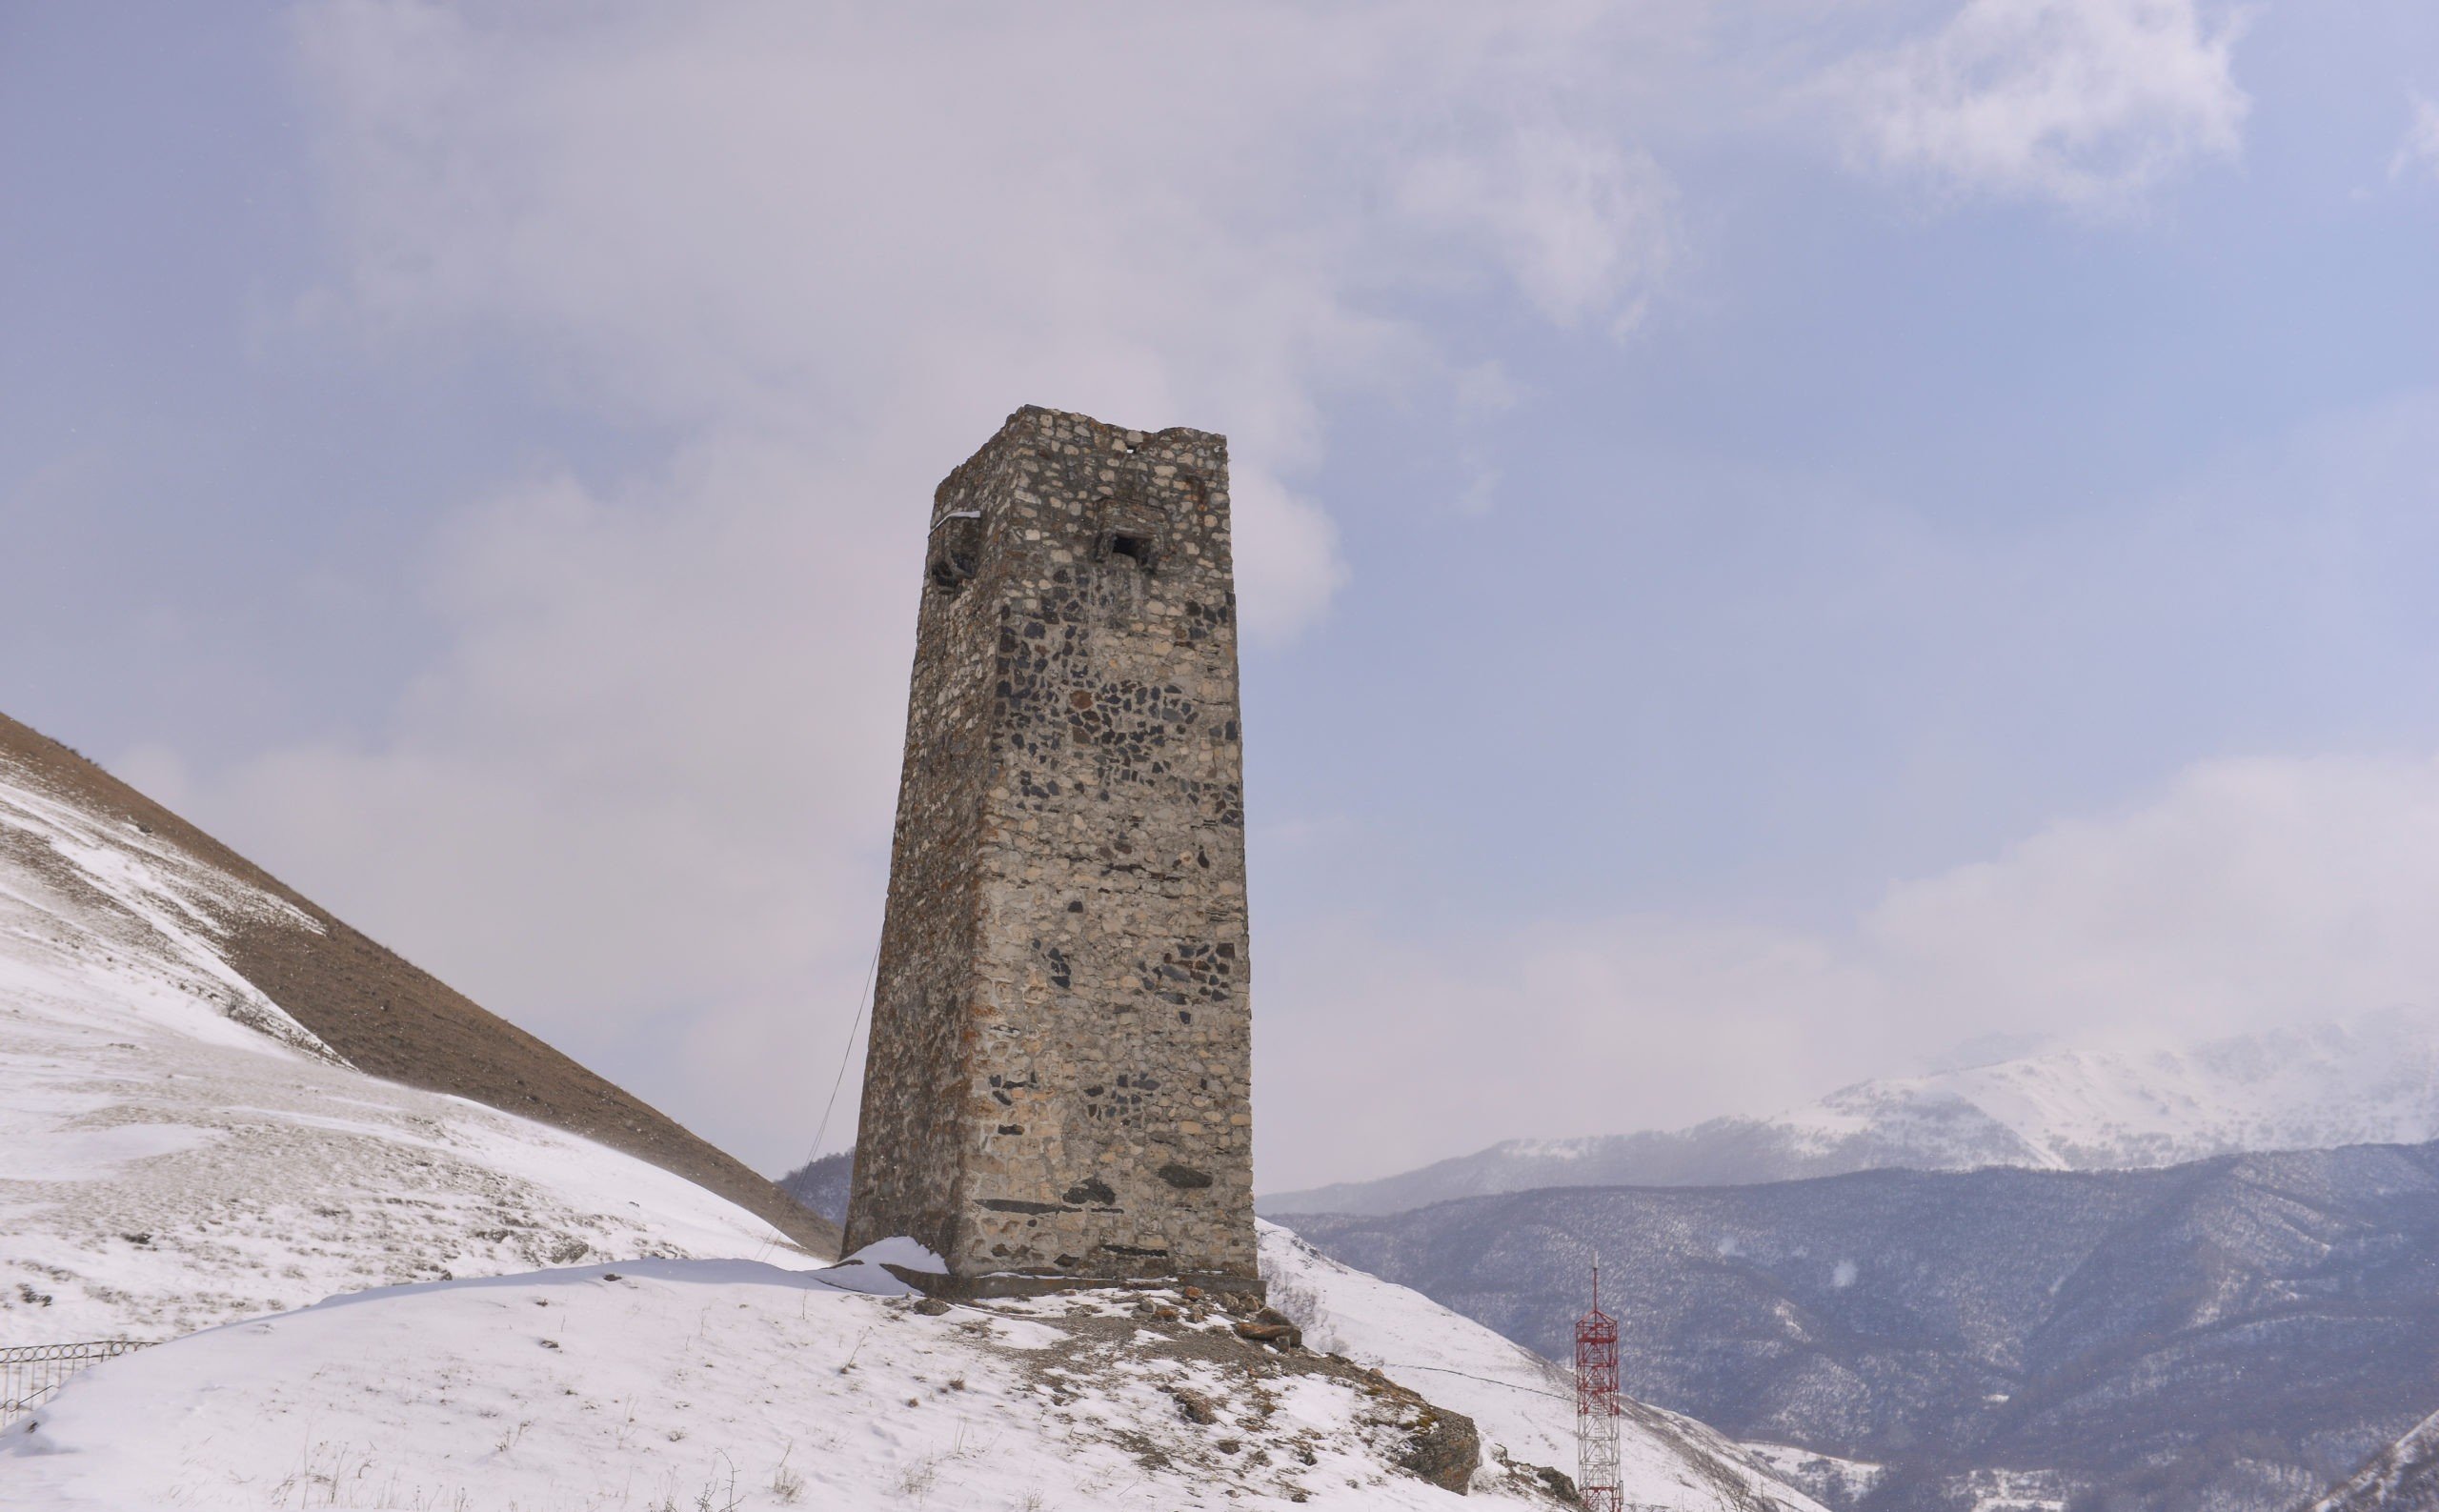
{"type": "Point", "coordinates": [698, 1383]}
{"type": "Point", "coordinates": [1521, 1402]}
{"type": "Point", "coordinates": [2373, 1079]}
{"type": "Point", "coordinates": [176, 1151]}
{"type": "Point", "coordinates": [732, 1384]}
{"type": "Point", "coordinates": [2402, 1478]}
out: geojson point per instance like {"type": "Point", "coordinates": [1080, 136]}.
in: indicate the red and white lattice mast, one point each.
{"type": "Point", "coordinates": [1595, 1408]}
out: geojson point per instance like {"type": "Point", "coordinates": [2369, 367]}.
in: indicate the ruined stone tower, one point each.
{"type": "Point", "coordinates": [1058, 1083]}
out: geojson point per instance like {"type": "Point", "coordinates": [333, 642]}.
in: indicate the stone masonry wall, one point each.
{"type": "Point", "coordinates": [1059, 1074]}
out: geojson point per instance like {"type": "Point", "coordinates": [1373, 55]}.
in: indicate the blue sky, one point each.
{"type": "Point", "coordinates": [1777, 538]}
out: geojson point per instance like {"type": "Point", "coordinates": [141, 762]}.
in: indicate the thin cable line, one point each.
{"type": "Point", "coordinates": [863, 999]}
{"type": "Point", "coordinates": [1391, 1365]}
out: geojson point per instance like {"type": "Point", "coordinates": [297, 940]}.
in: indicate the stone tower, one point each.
{"type": "Point", "coordinates": [1059, 1083]}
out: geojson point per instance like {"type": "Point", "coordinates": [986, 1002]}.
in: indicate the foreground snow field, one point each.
{"type": "Point", "coordinates": [176, 1152]}
{"type": "Point", "coordinates": [688, 1385]}
{"type": "Point", "coordinates": [705, 1383]}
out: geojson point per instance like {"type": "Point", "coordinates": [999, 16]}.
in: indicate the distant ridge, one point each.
{"type": "Point", "coordinates": [2232, 1335]}
{"type": "Point", "coordinates": [2370, 1080]}
{"type": "Point", "coordinates": [392, 1020]}
{"type": "Point", "coordinates": [823, 1185]}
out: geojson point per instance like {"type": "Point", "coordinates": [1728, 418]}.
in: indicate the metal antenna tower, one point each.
{"type": "Point", "coordinates": [1595, 1408]}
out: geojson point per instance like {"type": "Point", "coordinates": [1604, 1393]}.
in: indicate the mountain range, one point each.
{"type": "Point", "coordinates": [2370, 1079]}
{"type": "Point", "coordinates": [2234, 1335]}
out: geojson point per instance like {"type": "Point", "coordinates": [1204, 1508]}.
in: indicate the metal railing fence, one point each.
{"type": "Point", "coordinates": [30, 1373]}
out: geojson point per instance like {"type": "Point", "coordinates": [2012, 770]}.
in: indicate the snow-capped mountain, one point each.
{"type": "Point", "coordinates": [180, 1147]}
{"type": "Point", "coordinates": [733, 1384]}
{"type": "Point", "coordinates": [2371, 1080]}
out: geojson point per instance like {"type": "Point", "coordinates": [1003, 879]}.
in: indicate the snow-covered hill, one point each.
{"type": "Point", "coordinates": [96, 863]}
{"type": "Point", "coordinates": [2373, 1079]}
{"type": "Point", "coordinates": [736, 1385]}
{"type": "Point", "coordinates": [177, 1149]}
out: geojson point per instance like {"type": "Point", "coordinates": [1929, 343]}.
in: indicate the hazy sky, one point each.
{"type": "Point", "coordinates": [1777, 535]}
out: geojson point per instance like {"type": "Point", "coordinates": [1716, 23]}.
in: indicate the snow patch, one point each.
{"type": "Point", "coordinates": [902, 1252]}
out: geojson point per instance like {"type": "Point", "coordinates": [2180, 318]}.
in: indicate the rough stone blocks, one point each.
{"type": "Point", "coordinates": [1059, 1083]}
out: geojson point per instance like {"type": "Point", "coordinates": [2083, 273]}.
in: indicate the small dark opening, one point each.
{"type": "Point", "coordinates": [1137, 547]}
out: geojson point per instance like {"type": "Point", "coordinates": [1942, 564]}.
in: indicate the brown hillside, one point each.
{"type": "Point", "coordinates": [394, 1020]}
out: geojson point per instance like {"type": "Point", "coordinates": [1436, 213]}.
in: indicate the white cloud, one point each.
{"type": "Point", "coordinates": [2419, 151]}
{"type": "Point", "coordinates": [815, 220]}
{"type": "Point", "coordinates": [808, 257]}
{"type": "Point", "coordinates": [1376, 1052]}
{"type": "Point", "coordinates": [2249, 893]}
{"type": "Point", "coordinates": [1583, 224]}
{"type": "Point", "coordinates": [640, 806]}
{"type": "Point", "coordinates": [2252, 891]}
{"type": "Point", "coordinates": [2242, 893]}
{"type": "Point", "coordinates": [2087, 103]}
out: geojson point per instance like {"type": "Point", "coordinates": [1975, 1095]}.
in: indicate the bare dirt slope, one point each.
{"type": "Point", "coordinates": [394, 1020]}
